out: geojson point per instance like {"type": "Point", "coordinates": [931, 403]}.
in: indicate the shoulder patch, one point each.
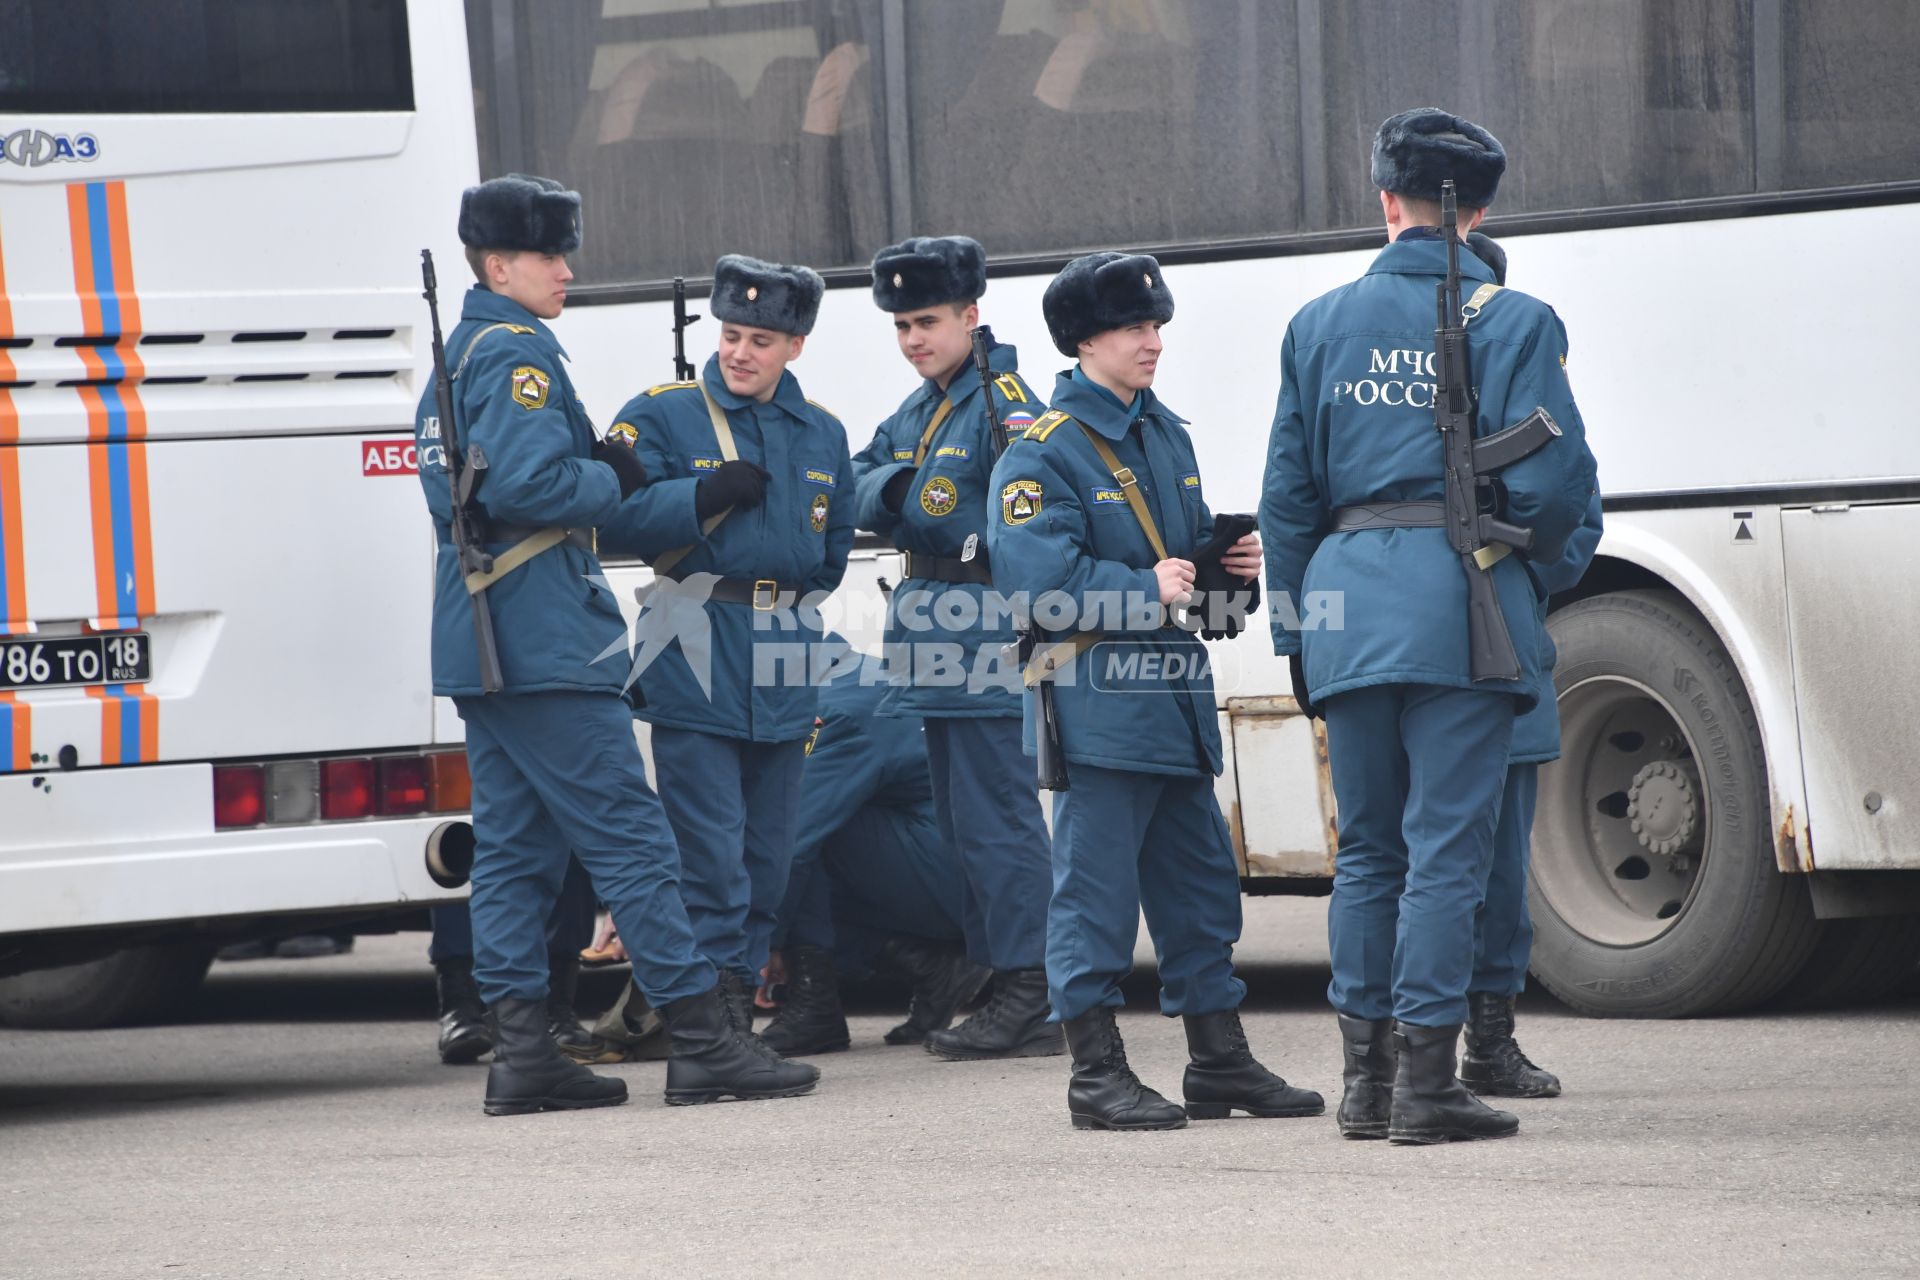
{"type": "Point", "coordinates": [519, 328]}
{"type": "Point", "coordinates": [670, 386]}
{"type": "Point", "coordinates": [822, 408]}
{"type": "Point", "coordinates": [1020, 501]}
{"type": "Point", "coordinates": [1010, 387]}
{"type": "Point", "coordinates": [1043, 426]}
{"type": "Point", "coordinates": [530, 387]}
{"type": "Point", "coordinates": [624, 433]}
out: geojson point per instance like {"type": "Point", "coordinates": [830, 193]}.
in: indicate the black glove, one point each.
{"type": "Point", "coordinates": [625, 463]}
{"type": "Point", "coordinates": [1216, 589]}
{"type": "Point", "coordinates": [895, 491]}
{"type": "Point", "coordinates": [739, 484]}
{"type": "Point", "coordinates": [1297, 672]}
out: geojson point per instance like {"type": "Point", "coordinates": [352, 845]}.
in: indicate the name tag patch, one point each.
{"type": "Point", "coordinates": [1104, 495]}
{"type": "Point", "coordinates": [951, 451]}
{"type": "Point", "coordinates": [903, 455]}
{"type": "Point", "coordinates": [1191, 480]}
{"type": "Point", "coordinates": [813, 475]}
{"type": "Point", "coordinates": [704, 464]}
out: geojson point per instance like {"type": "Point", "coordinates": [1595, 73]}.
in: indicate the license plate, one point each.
{"type": "Point", "coordinates": [125, 657]}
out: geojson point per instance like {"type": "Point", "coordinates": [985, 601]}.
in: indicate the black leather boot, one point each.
{"type": "Point", "coordinates": [463, 1018]}
{"type": "Point", "coordinates": [1104, 1092]}
{"type": "Point", "coordinates": [563, 1020]}
{"type": "Point", "coordinates": [1367, 1100]}
{"type": "Point", "coordinates": [739, 999]}
{"type": "Point", "coordinates": [810, 1018]}
{"type": "Point", "coordinates": [713, 1058]}
{"type": "Point", "coordinates": [529, 1073]}
{"type": "Point", "coordinates": [943, 981]}
{"type": "Point", "coordinates": [1223, 1076]}
{"type": "Point", "coordinates": [1493, 1064]}
{"type": "Point", "coordinates": [1012, 1024]}
{"type": "Point", "coordinates": [1429, 1104]}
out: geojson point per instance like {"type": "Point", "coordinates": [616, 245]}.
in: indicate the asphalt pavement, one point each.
{"type": "Point", "coordinates": [300, 1125]}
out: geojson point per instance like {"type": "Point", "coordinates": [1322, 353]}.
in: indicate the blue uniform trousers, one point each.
{"type": "Point", "coordinates": [569, 925]}
{"type": "Point", "coordinates": [1124, 841]}
{"type": "Point", "coordinates": [885, 872]}
{"type": "Point", "coordinates": [989, 809]}
{"type": "Point", "coordinates": [1503, 930]}
{"type": "Point", "coordinates": [732, 803]}
{"type": "Point", "coordinates": [554, 772]}
{"type": "Point", "coordinates": [1417, 774]}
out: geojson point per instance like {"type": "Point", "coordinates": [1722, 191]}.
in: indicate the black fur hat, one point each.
{"type": "Point", "coordinates": [766, 295]}
{"type": "Point", "coordinates": [1103, 291]}
{"type": "Point", "coordinates": [1488, 250]}
{"type": "Point", "coordinates": [520, 211]}
{"type": "Point", "coordinates": [1415, 151]}
{"type": "Point", "coordinates": [926, 271]}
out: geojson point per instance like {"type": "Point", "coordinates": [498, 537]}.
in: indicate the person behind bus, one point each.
{"type": "Point", "coordinates": [1140, 828]}
{"type": "Point", "coordinates": [744, 523]}
{"type": "Point", "coordinates": [464, 1036]}
{"type": "Point", "coordinates": [555, 765]}
{"type": "Point", "coordinates": [923, 482]}
{"type": "Point", "coordinates": [1418, 748]}
{"type": "Point", "coordinates": [875, 886]}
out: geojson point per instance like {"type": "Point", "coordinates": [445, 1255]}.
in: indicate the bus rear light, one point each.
{"type": "Point", "coordinates": [449, 786]}
{"type": "Point", "coordinates": [346, 789]}
{"type": "Point", "coordinates": [293, 791]}
{"type": "Point", "coordinates": [403, 786]}
{"type": "Point", "coordinates": [239, 795]}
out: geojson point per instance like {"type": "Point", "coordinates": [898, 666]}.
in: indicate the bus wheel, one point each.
{"type": "Point", "coordinates": [137, 984]}
{"type": "Point", "coordinates": [1654, 889]}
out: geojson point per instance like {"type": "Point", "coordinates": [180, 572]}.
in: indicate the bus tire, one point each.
{"type": "Point", "coordinates": [1653, 886]}
{"type": "Point", "coordinates": [136, 984]}
{"type": "Point", "coordinates": [1856, 961]}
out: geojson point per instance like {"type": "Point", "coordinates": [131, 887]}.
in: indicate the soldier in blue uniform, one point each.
{"type": "Point", "coordinates": [554, 763]}
{"type": "Point", "coordinates": [1099, 520]}
{"type": "Point", "coordinates": [923, 482]}
{"type": "Point", "coordinates": [1418, 747]}
{"type": "Point", "coordinates": [747, 524]}
{"type": "Point", "coordinates": [875, 886]}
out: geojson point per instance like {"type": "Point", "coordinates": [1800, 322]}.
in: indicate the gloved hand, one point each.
{"type": "Point", "coordinates": [895, 491]}
{"type": "Point", "coordinates": [1297, 672]}
{"type": "Point", "coordinates": [739, 484]}
{"type": "Point", "coordinates": [625, 463]}
{"type": "Point", "coordinates": [1216, 589]}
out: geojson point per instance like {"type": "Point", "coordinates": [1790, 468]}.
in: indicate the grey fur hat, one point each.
{"type": "Point", "coordinates": [1415, 151]}
{"type": "Point", "coordinates": [766, 295]}
{"type": "Point", "coordinates": [1103, 291]}
{"type": "Point", "coordinates": [520, 211]}
{"type": "Point", "coordinates": [925, 271]}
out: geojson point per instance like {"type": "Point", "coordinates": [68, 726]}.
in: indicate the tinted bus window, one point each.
{"type": "Point", "coordinates": [204, 56]}
{"type": "Point", "coordinates": [1849, 70]}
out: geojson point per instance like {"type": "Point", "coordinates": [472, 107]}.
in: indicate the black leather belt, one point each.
{"type": "Point", "coordinates": [500, 531]}
{"type": "Point", "coordinates": [947, 568]}
{"type": "Point", "coordinates": [764, 594]}
{"type": "Point", "coordinates": [1390, 515]}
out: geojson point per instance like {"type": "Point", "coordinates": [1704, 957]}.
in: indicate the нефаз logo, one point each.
{"type": "Point", "coordinates": [33, 147]}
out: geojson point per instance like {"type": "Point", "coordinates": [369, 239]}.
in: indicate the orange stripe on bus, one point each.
{"type": "Point", "coordinates": [149, 723]}
{"type": "Point", "coordinates": [79, 226]}
{"type": "Point", "coordinates": [13, 546]}
{"type": "Point", "coordinates": [142, 529]}
{"type": "Point", "coordinates": [109, 724]}
{"type": "Point", "coordinates": [100, 493]}
{"type": "Point", "coordinates": [18, 740]}
{"type": "Point", "coordinates": [118, 234]}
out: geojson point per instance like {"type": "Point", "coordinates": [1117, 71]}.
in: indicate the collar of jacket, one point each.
{"type": "Point", "coordinates": [1001, 358]}
{"type": "Point", "coordinates": [1428, 258]}
{"type": "Point", "coordinates": [1100, 409]}
{"type": "Point", "coordinates": [786, 395]}
{"type": "Point", "coordinates": [483, 304]}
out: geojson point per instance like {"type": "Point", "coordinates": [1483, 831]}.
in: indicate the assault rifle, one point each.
{"type": "Point", "coordinates": [1473, 530]}
{"type": "Point", "coordinates": [464, 473]}
{"type": "Point", "coordinates": [1050, 760]}
{"type": "Point", "coordinates": [682, 367]}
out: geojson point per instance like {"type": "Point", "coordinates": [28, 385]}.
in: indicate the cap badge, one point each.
{"type": "Point", "coordinates": [897, 281]}
{"type": "Point", "coordinates": [753, 292]}
{"type": "Point", "coordinates": [1148, 277]}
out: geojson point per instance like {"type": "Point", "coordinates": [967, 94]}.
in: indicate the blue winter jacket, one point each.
{"type": "Point", "coordinates": [962, 673]}
{"type": "Point", "coordinates": [1355, 425]}
{"type": "Point", "coordinates": [758, 683]}
{"type": "Point", "coordinates": [1142, 698]}
{"type": "Point", "coordinates": [552, 617]}
{"type": "Point", "coordinates": [1536, 735]}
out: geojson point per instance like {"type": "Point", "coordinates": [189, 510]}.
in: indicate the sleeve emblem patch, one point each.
{"type": "Point", "coordinates": [813, 475]}
{"type": "Point", "coordinates": [1106, 495]}
{"type": "Point", "coordinates": [530, 386]}
{"type": "Point", "coordinates": [903, 455]}
{"type": "Point", "coordinates": [624, 432]}
{"type": "Point", "coordinates": [1020, 501]}
{"type": "Point", "coordinates": [817, 512]}
{"type": "Point", "coordinates": [704, 464]}
{"type": "Point", "coordinates": [939, 498]}
{"type": "Point", "coordinates": [1017, 423]}
{"type": "Point", "coordinates": [1191, 480]}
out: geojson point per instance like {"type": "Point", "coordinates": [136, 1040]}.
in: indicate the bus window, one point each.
{"type": "Point", "coordinates": [1849, 86]}
{"type": "Point", "coordinates": [203, 56]}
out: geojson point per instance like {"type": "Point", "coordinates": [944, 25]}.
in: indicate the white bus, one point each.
{"type": "Point", "coordinates": [1713, 193]}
